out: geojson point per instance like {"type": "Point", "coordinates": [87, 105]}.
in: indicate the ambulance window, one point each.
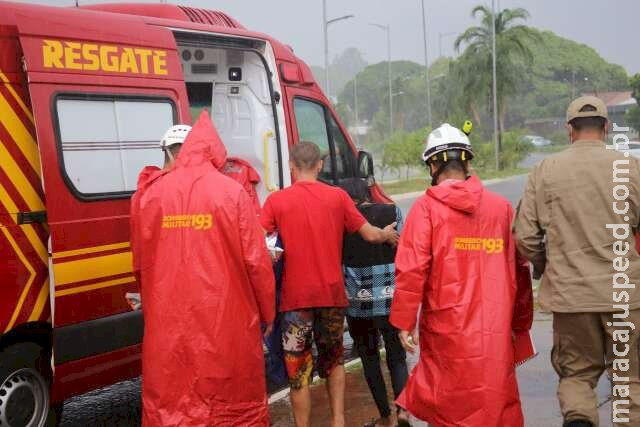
{"type": "Point", "coordinates": [312, 127]}
{"type": "Point", "coordinates": [200, 96]}
{"type": "Point", "coordinates": [105, 141]}
{"type": "Point", "coordinates": [345, 159]}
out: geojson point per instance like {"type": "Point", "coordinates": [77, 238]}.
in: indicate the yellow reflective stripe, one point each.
{"type": "Point", "coordinates": [25, 290]}
{"type": "Point", "coordinates": [32, 236]}
{"type": "Point", "coordinates": [20, 134]}
{"type": "Point", "coordinates": [19, 180]}
{"type": "Point", "coordinates": [37, 244]}
{"type": "Point", "coordinates": [43, 298]}
{"type": "Point", "coordinates": [91, 250]}
{"type": "Point", "coordinates": [16, 96]}
{"type": "Point", "coordinates": [8, 204]}
{"type": "Point", "coordinates": [100, 285]}
{"type": "Point", "coordinates": [66, 273]}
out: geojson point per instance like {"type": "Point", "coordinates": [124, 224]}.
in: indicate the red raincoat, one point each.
{"type": "Point", "coordinates": [241, 171]}
{"type": "Point", "coordinates": [207, 284]}
{"type": "Point", "coordinates": [457, 258]}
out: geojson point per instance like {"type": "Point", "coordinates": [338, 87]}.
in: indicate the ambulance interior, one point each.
{"type": "Point", "coordinates": [233, 85]}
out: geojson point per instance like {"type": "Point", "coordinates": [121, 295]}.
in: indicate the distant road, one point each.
{"type": "Point", "coordinates": [511, 188]}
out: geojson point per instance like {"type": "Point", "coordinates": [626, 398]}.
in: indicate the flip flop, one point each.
{"type": "Point", "coordinates": [372, 423]}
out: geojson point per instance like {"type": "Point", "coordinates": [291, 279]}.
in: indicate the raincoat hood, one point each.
{"type": "Point", "coordinates": [462, 196]}
{"type": "Point", "coordinates": [148, 176]}
{"type": "Point", "coordinates": [202, 145]}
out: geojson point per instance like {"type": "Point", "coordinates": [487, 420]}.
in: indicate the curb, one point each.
{"type": "Point", "coordinates": [282, 394]}
{"type": "Point", "coordinates": [416, 194]}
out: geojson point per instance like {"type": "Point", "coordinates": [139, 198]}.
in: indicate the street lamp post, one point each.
{"type": "Point", "coordinates": [440, 37]}
{"type": "Point", "coordinates": [392, 96]}
{"type": "Point", "coordinates": [387, 29]}
{"type": "Point", "coordinates": [495, 84]}
{"type": "Point", "coordinates": [426, 64]}
{"type": "Point", "coordinates": [325, 30]}
{"type": "Point", "coordinates": [325, 26]}
{"type": "Point", "coordinates": [355, 106]}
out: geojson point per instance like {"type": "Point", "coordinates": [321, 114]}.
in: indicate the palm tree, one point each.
{"type": "Point", "coordinates": [475, 68]}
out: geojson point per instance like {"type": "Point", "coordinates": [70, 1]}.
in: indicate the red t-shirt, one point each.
{"type": "Point", "coordinates": [311, 218]}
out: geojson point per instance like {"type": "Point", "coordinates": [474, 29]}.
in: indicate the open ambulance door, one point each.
{"type": "Point", "coordinates": [102, 98]}
{"type": "Point", "coordinates": [235, 78]}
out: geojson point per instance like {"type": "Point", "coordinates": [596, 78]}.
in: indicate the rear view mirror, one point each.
{"type": "Point", "coordinates": [365, 166]}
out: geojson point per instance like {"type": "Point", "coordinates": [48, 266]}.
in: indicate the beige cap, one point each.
{"type": "Point", "coordinates": [599, 109]}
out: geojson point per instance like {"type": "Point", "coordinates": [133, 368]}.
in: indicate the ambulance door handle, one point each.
{"type": "Point", "coordinates": [32, 217]}
{"type": "Point", "coordinates": [266, 138]}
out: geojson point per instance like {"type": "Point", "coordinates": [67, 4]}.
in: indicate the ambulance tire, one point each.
{"type": "Point", "coordinates": [25, 376]}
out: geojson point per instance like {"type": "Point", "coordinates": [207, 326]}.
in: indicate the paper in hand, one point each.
{"type": "Point", "coordinates": [272, 245]}
{"type": "Point", "coordinates": [523, 346]}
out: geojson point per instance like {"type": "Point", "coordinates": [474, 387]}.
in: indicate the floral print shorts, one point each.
{"type": "Point", "coordinates": [300, 328]}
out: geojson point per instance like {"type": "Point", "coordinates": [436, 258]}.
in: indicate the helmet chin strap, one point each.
{"type": "Point", "coordinates": [435, 175]}
{"type": "Point", "coordinates": [170, 155]}
{"type": "Point", "coordinates": [438, 172]}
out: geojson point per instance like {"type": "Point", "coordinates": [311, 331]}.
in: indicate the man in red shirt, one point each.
{"type": "Point", "coordinates": [311, 218]}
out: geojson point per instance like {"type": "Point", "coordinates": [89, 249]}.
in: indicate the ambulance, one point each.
{"type": "Point", "coordinates": [85, 96]}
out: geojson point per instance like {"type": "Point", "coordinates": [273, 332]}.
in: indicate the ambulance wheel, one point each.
{"type": "Point", "coordinates": [25, 375]}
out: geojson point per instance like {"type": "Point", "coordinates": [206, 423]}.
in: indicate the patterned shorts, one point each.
{"type": "Point", "coordinates": [325, 326]}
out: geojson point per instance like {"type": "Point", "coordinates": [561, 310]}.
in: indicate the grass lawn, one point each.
{"type": "Point", "coordinates": [420, 184]}
{"type": "Point", "coordinates": [408, 186]}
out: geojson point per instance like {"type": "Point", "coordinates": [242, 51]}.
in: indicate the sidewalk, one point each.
{"type": "Point", "coordinates": [536, 379]}
{"type": "Point", "coordinates": [359, 406]}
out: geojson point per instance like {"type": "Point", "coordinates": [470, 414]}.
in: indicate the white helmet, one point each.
{"type": "Point", "coordinates": [449, 141]}
{"type": "Point", "coordinates": [175, 135]}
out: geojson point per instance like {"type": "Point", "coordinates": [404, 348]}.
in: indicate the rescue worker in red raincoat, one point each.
{"type": "Point", "coordinates": [457, 261]}
{"type": "Point", "coordinates": [206, 284]}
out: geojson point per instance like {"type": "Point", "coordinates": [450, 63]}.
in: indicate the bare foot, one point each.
{"type": "Point", "coordinates": [403, 418]}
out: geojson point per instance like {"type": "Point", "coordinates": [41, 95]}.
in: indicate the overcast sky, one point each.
{"type": "Point", "coordinates": [608, 26]}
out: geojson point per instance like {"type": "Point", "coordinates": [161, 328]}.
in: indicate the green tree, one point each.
{"type": "Point", "coordinates": [373, 87]}
{"type": "Point", "coordinates": [514, 150]}
{"type": "Point", "coordinates": [633, 115]}
{"type": "Point", "coordinates": [341, 70]}
{"type": "Point", "coordinates": [404, 150]}
{"type": "Point", "coordinates": [476, 65]}
{"type": "Point", "coordinates": [561, 70]}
